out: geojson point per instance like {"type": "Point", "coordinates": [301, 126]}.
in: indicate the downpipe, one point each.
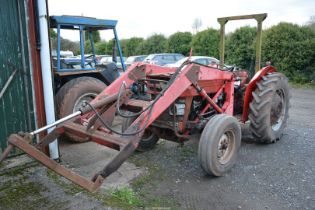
{"type": "Point", "coordinates": [46, 74]}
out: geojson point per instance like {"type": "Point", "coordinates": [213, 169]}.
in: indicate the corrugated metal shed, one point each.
{"type": "Point", "coordinates": [16, 104]}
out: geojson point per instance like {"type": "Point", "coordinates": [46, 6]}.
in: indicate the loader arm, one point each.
{"type": "Point", "coordinates": [125, 144]}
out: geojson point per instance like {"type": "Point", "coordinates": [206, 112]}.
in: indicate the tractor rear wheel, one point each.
{"type": "Point", "coordinates": [148, 140]}
{"type": "Point", "coordinates": [71, 96]}
{"type": "Point", "coordinates": [269, 108]}
{"type": "Point", "coordinates": [219, 144]}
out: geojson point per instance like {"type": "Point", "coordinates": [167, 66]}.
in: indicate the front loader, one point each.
{"type": "Point", "coordinates": [174, 104]}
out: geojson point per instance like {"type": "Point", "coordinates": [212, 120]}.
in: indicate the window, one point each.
{"type": "Point", "coordinates": [169, 58]}
{"type": "Point", "coordinates": [178, 57]}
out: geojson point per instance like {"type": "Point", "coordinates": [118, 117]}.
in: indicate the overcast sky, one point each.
{"type": "Point", "coordinates": [143, 18]}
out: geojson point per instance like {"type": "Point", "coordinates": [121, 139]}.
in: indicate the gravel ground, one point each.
{"type": "Point", "coordinates": [275, 176]}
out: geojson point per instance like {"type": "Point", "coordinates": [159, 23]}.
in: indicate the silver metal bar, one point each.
{"type": "Point", "coordinates": [75, 114]}
{"type": "Point", "coordinates": [7, 84]}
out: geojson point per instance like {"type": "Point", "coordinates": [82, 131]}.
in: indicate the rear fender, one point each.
{"type": "Point", "coordinates": [110, 72]}
{"type": "Point", "coordinates": [251, 87]}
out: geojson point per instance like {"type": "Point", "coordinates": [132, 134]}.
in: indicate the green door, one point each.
{"type": "Point", "coordinates": [16, 103]}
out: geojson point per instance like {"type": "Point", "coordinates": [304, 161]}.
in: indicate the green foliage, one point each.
{"type": "Point", "coordinates": [126, 194]}
{"type": "Point", "coordinates": [132, 45]}
{"type": "Point", "coordinates": [53, 33]}
{"type": "Point", "coordinates": [100, 48]}
{"type": "Point", "coordinates": [291, 50]}
{"type": "Point", "coordinates": [157, 43]}
{"type": "Point", "coordinates": [141, 49]}
{"type": "Point", "coordinates": [65, 44]}
{"type": "Point", "coordinates": [240, 48]}
{"type": "Point", "coordinates": [180, 43]}
{"type": "Point", "coordinates": [311, 23]}
{"type": "Point", "coordinates": [95, 34]}
{"type": "Point", "coordinates": [87, 47]}
{"type": "Point", "coordinates": [206, 43]}
{"type": "Point", "coordinates": [109, 47]}
{"type": "Point", "coordinates": [290, 47]}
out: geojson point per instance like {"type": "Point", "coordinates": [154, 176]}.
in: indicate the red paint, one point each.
{"type": "Point", "coordinates": [251, 87]}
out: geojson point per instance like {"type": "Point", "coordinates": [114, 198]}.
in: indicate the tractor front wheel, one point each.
{"type": "Point", "coordinates": [148, 140]}
{"type": "Point", "coordinates": [219, 144]}
{"type": "Point", "coordinates": [269, 108]}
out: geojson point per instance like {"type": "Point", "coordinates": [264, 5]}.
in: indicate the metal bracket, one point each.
{"type": "Point", "coordinates": [259, 18]}
{"type": "Point", "coordinates": [193, 74]}
{"type": "Point", "coordinates": [137, 73]}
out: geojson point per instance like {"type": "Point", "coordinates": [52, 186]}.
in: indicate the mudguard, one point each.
{"type": "Point", "coordinates": [251, 87]}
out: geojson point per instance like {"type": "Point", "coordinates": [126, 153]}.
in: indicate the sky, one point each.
{"type": "Point", "coordinates": [142, 18]}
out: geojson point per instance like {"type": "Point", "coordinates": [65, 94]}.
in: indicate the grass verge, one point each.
{"type": "Point", "coordinates": [302, 86]}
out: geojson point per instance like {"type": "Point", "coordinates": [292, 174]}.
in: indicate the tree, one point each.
{"type": "Point", "coordinates": [157, 43]}
{"type": "Point", "coordinates": [240, 48]}
{"type": "Point", "coordinates": [100, 48]}
{"type": "Point", "coordinates": [290, 48]}
{"type": "Point", "coordinates": [197, 23]}
{"type": "Point", "coordinates": [53, 33]}
{"type": "Point", "coordinates": [311, 23]}
{"type": "Point", "coordinates": [180, 42]}
{"type": "Point", "coordinates": [109, 47]}
{"type": "Point", "coordinates": [87, 48]}
{"type": "Point", "coordinates": [141, 48]}
{"type": "Point", "coordinates": [132, 45]}
{"type": "Point", "coordinates": [95, 34]}
{"type": "Point", "coordinates": [206, 43]}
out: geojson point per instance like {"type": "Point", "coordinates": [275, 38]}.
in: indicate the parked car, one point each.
{"type": "Point", "coordinates": [107, 60]}
{"type": "Point", "coordinates": [204, 60]}
{"type": "Point", "coordinates": [132, 59]}
{"type": "Point", "coordinates": [163, 59]}
{"type": "Point", "coordinates": [98, 58]}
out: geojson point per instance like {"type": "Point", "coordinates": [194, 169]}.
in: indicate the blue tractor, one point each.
{"type": "Point", "coordinates": [79, 79]}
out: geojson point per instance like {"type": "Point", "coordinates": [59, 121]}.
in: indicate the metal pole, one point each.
{"type": "Point", "coordinates": [58, 47]}
{"type": "Point", "coordinates": [92, 46]}
{"type": "Point", "coordinates": [47, 73]}
{"type": "Point", "coordinates": [259, 18]}
{"type": "Point", "coordinates": [222, 41]}
{"type": "Point", "coordinates": [258, 45]}
{"type": "Point", "coordinates": [119, 50]}
{"type": "Point", "coordinates": [69, 117]}
{"type": "Point", "coordinates": [82, 47]}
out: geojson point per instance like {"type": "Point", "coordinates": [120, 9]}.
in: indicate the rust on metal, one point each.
{"type": "Point", "coordinates": [188, 103]}
{"type": "Point", "coordinates": [212, 89]}
{"type": "Point", "coordinates": [19, 142]}
{"type": "Point", "coordinates": [193, 74]}
{"type": "Point", "coordinates": [137, 73]}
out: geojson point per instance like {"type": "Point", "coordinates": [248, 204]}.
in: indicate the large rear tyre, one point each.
{"type": "Point", "coordinates": [219, 144]}
{"type": "Point", "coordinates": [71, 96]}
{"type": "Point", "coordinates": [148, 140]}
{"type": "Point", "coordinates": [269, 108]}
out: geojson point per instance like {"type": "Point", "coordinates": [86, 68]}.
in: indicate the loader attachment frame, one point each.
{"type": "Point", "coordinates": [93, 121]}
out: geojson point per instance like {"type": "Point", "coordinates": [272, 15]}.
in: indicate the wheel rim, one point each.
{"type": "Point", "coordinates": [278, 109]}
{"type": "Point", "coordinates": [226, 147]}
{"type": "Point", "coordinates": [85, 97]}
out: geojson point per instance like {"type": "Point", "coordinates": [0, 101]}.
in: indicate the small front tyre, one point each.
{"type": "Point", "coordinates": [219, 144]}
{"type": "Point", "coordinates": [148, 140]}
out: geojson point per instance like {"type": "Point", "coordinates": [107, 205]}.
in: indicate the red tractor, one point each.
{"type": "Point", "coordinates": [172, 103]}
